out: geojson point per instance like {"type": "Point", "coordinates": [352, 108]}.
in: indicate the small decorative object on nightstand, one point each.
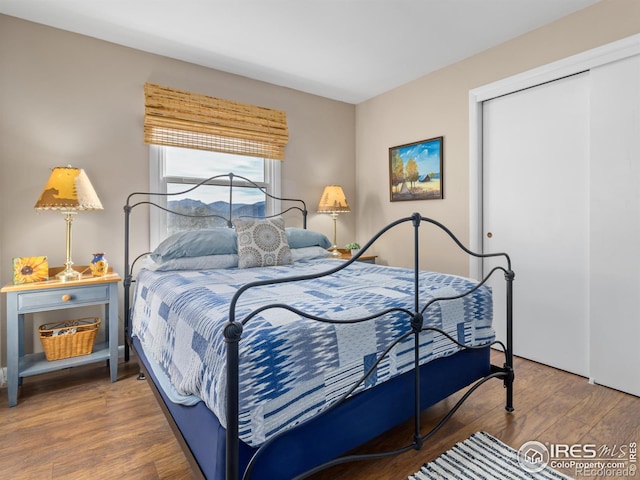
{"type": "Point", "coordinates": [353, 247]}
{"type": "Point", "coordinates": [30, 269]}
{"type": "Point", "coordinates": [99, 265]}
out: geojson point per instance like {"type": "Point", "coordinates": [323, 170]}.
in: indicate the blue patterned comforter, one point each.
{"type": "Point", "coordinates": [290, 367]}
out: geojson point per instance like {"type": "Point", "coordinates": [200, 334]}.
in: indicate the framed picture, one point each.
{"type": "Point", "coordinates": [30, 269]}
{"type": "Point", "coordinates": [415, 170]}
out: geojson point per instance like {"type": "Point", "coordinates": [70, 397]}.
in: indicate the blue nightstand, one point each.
{"type": "Point", "coordinates": [56, 295]}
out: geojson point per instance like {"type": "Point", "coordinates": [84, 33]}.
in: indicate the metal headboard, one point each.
{"type": "Point", "coordinates": [229, 180]}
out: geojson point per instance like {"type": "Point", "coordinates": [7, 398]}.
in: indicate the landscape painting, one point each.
{"type": "Point", "coordinates": [415, 170]}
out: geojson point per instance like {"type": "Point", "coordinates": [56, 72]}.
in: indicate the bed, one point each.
{"type": "Point", "coordinates": [272, 360]}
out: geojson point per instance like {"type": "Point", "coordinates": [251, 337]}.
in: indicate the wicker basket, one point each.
{"type": "Point", "coordinates": [70, 338]}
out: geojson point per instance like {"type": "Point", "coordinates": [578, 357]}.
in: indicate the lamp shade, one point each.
{"type": "Point", "coordinates": [333, 200]}
{"type": "Point", "coordinates": [68, 189]}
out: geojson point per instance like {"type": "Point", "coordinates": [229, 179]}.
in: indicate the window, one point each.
{"type": "Point", "coordinates": [174, 169]}
{"type": "Point", "coordinates": [194, 137]}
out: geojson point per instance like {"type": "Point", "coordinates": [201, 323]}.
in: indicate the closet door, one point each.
{"type": "Point", "coordinates": [615, 225]}
{"type": "Point", "coordinates": [535, 171]}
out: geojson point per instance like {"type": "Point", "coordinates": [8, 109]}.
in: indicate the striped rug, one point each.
{"type": "Point", "coordinates": [481, 457]}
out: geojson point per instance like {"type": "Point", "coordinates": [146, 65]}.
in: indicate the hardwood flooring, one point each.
{"type": "Point", "coordinates": [76, 424]}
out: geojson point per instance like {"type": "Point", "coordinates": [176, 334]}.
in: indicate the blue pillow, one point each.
{"type": "Point", "coordinates": [197, 243]}
{"type": "Point", "coordinates": [301, 238]}
{"type": "Point", "coordinates": [208, 262]}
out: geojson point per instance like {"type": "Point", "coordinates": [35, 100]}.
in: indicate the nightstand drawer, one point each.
{"type": "Point", "coordinates": [62, 298]}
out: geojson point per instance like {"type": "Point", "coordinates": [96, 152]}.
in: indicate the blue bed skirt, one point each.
{"type": "Point", "coordinates": [358, 420]}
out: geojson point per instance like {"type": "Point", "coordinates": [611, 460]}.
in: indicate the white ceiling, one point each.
{"type": "Point", "coordinates": [348, 50]}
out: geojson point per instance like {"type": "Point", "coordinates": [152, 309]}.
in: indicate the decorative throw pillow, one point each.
{"type": "Point", "coordinates": [262, 242]}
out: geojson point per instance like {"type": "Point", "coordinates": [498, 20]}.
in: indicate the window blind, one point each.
{"type": "Point", "coordinates": [183, 119]}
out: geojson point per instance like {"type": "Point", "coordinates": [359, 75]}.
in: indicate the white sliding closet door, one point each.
{"type": "Point", "coordinates": [615, 225]}
{"type": "Point", "coordinates": [535, 181]}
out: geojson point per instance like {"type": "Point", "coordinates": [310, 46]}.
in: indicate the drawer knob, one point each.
{"type": "Point", "coordinates": [66, 297]}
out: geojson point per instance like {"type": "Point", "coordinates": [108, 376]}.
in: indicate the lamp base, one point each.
{"type": "Point", "coordinates": [68, 275]}
{"type": "Point", "coordinates": [335, 252]}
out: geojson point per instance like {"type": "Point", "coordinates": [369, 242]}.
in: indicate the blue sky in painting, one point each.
{"type": "Point", "coordinates": [426, 155]}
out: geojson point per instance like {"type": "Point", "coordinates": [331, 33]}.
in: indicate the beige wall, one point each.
{"type": "Point", "coordinates": [71, 99]}
{"type": "Point", "coordinates": [438, 104]}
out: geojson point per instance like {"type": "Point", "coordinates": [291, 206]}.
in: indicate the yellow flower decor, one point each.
{"type": "Point", "coordinates": [30, 269]}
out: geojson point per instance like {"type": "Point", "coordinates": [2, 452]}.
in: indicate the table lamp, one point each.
{"type": "Point", "coordinates": [333, 202]}
{"type": "Point", "coordinates": [69, 191]}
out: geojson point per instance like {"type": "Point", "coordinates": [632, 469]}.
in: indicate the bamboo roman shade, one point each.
{"type": "Point", "coordinates": [183, 119]}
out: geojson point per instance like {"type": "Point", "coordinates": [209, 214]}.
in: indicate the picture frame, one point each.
{"type": "Point", "coordinates": [30, 269]}
{"type": "Point", "coordinates": [416, 170]}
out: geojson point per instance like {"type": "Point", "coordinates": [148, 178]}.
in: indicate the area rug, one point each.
{"type": "Point", "coordinates": [483, 457]}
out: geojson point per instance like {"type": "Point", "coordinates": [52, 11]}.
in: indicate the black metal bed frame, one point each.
{"type": "Point", "coordinates": [233, 331]}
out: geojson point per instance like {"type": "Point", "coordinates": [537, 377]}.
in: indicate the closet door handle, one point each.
{"type": "Point", "coordinates": [489, 234]}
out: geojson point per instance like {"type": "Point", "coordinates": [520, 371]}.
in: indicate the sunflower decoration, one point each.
{"type": "Point", "coordinates": [99, 265]}
{"type": "Point", "coordinates": [30, 269]}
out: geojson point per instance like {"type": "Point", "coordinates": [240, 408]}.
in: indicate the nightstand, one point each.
{"type": "Point", "coordinates": [346, 255]}
{"type": "Point", "coordinates": [363, 258]}
{"type": "Point", "coordinates": [56, 295]}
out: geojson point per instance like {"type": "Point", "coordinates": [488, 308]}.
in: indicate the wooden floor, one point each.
{"type": "Point", "coordinates": [75, 424]}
